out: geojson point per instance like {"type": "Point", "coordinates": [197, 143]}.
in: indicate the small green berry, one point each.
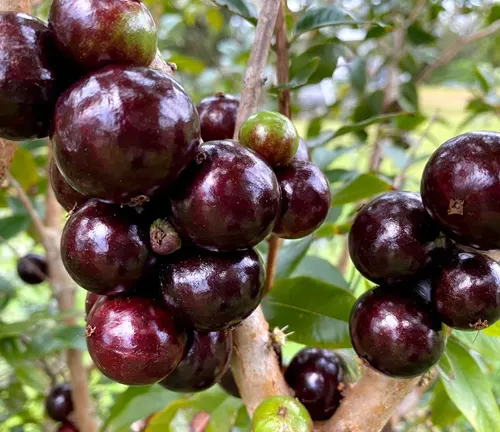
{"type": "Point", "coordinates": [281, 414]}
{"type": "Point", "coordinates": [272, 135]}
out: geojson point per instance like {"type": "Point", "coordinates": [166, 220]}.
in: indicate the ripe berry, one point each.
{"type": "Point", "coordinates": [105, 248]}
{"type": "Point", "coordinates": [58, 403]}
{"type": "Point", "coordinates": [90, 300]}
{"type": "Point", "coordinates": [302, 152]}
{"type": "Point", "coordinates": [32, 269]}
{"type": "Point", "coordinates": [206, 360]}
{"type": "Point", "coordinates": [396, 334]}
{"type": "Point", "coordinates": [134, 340]}
{"type": "Point", "coordinates": [466, 291]}
{"type": "Point", "coordinates": [68, 197]}
{"type": "Point", "coordinates": [29, 84]}
{"type": "Point", "coordinates": [318, 377]}
{"type": "Point", "coordinates": [281, 413]}
{"type": "Point", "coordinates": [67, 427]}
{"type": "Point", "coordinates": [272, 135]}
{"type": "Point", "coordinates": [305, 199]}
{"type": "Point", "coordinates": [104, 147]}
{"type": "Point", "coordinates": [96, 33]}
{"type": "Point", "coordinates": [213, 291]}
{"type": "Point", "coordinates": [218, 117]}
{"type": "Point", "coordinates": [228, 199]}
{"type": "Point", "coordinates": [393, 238]}
{"type": "Point", "coordinates": [461, 189]}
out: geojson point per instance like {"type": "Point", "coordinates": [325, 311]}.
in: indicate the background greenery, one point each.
{"type": "Point", "coordinates": [342, 61]}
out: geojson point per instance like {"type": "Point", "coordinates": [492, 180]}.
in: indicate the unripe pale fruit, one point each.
{"type": "Point", "coordinates": [281, 414]}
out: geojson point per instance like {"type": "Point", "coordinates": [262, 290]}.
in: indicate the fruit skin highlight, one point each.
{"type": "Point", "coordinates": [134, 341]}
{"type": "Point", "coordinates": [396, 334]}
{"type": "Point", "coordinates": [218, 117]}
{"type": "Point", "coordinates": [103, 146]}
{"type": "Point", "coordinates": [461, 189]}
{"type": "Point", "coordinates": [97, 33]}
{"type": "Point", "coordinates": [281, 414]}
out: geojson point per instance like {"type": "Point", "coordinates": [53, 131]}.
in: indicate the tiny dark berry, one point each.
{"type": "Point", "coordinates": [32, 269]}
{"type": "Point", "coordinates": [58, 402]}
{"type": "Point", "coordinates": [218, 117]}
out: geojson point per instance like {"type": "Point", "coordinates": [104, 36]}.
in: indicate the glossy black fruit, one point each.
{"type": "Point", "coordinates": [213, 291]}
{"type": "Point", "coordinates": [228, 199]}
{"type": "Point", "coordinates": [205, 362]}
{"type": "Point", "coordinates": [318, 377]}
{"type": "Point", "coordinates": [395, 333]}
{"type": "Point", "coordinates": [218, 117]}
{"type": "Point", "coordinates": [104, 147]}
{"type": "Point", "coordinates": [32, 269]}
{"type": "Point", "coordinates": [29, 84]}
{"type": "Point", "coordinates": [461, 189]}
{"type": "Point", "coordinates": [58, 402]}
{"type": "Point", "coordinates": [466, 291]}
{"type": "Point", "coordinates": [105, 248]}
{"type": "Point", "coordinates": [393, 238]}
{"type": "Point", "coordinates": [68, 197]}
{"type": "Point", "coordinates": [272, 135]}
{"type": "Point", "coordinates": [134, 341]}
{"type": "Point", "coordinates": [96, 33]}
{"type": "Point", "coordinates": [305, 199]}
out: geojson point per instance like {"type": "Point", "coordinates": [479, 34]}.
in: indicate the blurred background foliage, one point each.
{"type": "Point", "coordinates": [376, 87]}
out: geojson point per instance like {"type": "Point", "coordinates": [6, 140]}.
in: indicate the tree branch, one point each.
{"type": "Point", "coordinates": [254, 364]}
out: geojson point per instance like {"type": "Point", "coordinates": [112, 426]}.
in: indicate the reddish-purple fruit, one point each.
{"type": "Point", "coordinates": [305, 199]}
{"type": "Point", "coordinates": [58, 402]}
{"type": "Point", "coordinates": [105, 248]}
{"type": "Point", "coordinates": [302, 152]}
{"type": "Point", "coordinates": [96, 33]}
{"type": "Point", "coordinates": [218, 117]}
{"type": "Point", "coordinates": [395, 333]}
{"type": "Point", "coordinates": [68, 197]}
{"type": "Point", "coordinates": [213, 291]}
{"type": "Point", "coordinates": [90, 300]}
{"type": "Point", "coordinates": [67, 427]}
{"type": "Point", "coordinates": [32, 269]}
{"type": "Point", "coordinates": [122, 134]}
{"type": "Point", "coordinates": [318, 377]}
{"type": "Point", "coordinates": [206, 360]}
{"type": "Point", "coordinates": [393, 238]}
{"type": "Point", "coordinates": [228, 199]}
{"type": "Point", "coordinates": [461, 189]}
{"type": "Point", "coordinates": [134, 340]}
{"type": "Point", "coordinates": [29, 85]}
{"type": "Point", "coordinates": [466, 291]}
{"type": "Point", "coordinates": [272, 135]}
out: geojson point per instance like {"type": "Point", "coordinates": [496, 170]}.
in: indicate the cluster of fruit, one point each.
{"type": "Point", "coordinates": [422, 252]}
{"type": "Point", "coordinates": [59, 407]}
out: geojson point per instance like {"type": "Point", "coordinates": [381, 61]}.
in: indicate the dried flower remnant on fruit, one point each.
{"type": "Point", "coordinates": [163, 237]}
{"type": "Point", "coordinates": [456, 207]}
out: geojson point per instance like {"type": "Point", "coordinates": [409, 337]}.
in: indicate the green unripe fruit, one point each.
{"type": "Point", "coordinates": [281, 414]}
{"type": "Point", "coordinates": [272, 135]}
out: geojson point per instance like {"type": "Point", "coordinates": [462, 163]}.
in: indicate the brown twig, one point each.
{"type": "Point", "coordinates": [272, 259]}
{"type": "Point", "coordinates": [254, 365]}
{"type": "Point", "coordinates": [283, 61]}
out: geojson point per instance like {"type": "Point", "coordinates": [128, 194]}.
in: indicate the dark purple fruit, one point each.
{"type": "Point", "coordinates": [305, 199]}
{"type": "Point", "coordinates": [461, 189]}
{"type": "Point", "coordinates": [213, 291]}
{"type": "Point", "coordinates": [32, 269]}
{"type": "Point", "coordinates": [218, 117]}
{"type": "Point", "coordinates": [58, 402]}
{"type": "Point", "coordinates": [97, 33]}
{"type": "Point", "coordinates": [206, 360]}
{"type": "Point", "coordinates": [134, 341]}
{"type": "Point", "coordinates": [272, 135]}
{"type": "Point", "coordinates": [163, 237]}
{"type": "Point", "coordinates": [67, 427]}
{"type": "Point", "coordinates": [68, 197]}
{"type": "Point", "coordinates": [105, 248]}
{"type": "Point", "coordinates": [317, 377]}
{"type": "Point", "coordinates": [121, 134]}
{"type": "Point", "coordinates": [29, 86]}
{"type": "Point", "coordinates": [302, 152]}
{"type": "Point", "coordinates": [393, 238]}
{"type": "Point", "coordinates": [228, 199]}
{"type": "Point", "coordinates": [90, 300]}
{"type": "Point", "coordinates": [396, 334]}
{"type": "Point", "coordinates": [466, 291]}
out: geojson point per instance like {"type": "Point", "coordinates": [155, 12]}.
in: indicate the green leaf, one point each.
{"type": "Point", "coordinates": [300, 75]}
{"type": "Point", "coordinates": [316, 312]}
{"type": "Point", "coordinates": [176, 416]}
{"type": "Point", "coordinates": [408, 97]}
{"type": "Point", "coordinates": [320, 269]}
{"type": "Point", "coordinates": [368, 122]}
{"type": "Point", "coordinates": [187, 64]}
{"type": "Point", "coordinates": [224, 417]}
{"type": "Point", "coordinates": [332, 15]}
{"type": "Point", "coordinates": [493, 331]}
{"type": "Point", "coordinates": [290, 255]}
{"type": "Point", "coordinates": [358, 74]}
{"type": "Point", "coordinates": [443, 410]}
{"type": "Point", "coordinates": [489, 347]}
{"type": "Point", "coordinates": [33, 377]}
{"type": "Point", "coordinates": [23, 169]}
{"type": "Point", "coordinates": [239, 7]}
{"type": "Point", "coordinates": [494, 14]}
{"type": "Point", "coordinates": [418, 36]}
{"type": "Point", "coordinates": [470, 390]}
{"type": "Point", "coordinates": [7, 290]}
{"type": "Point", "coordinates": [482, 79]}
{"type": "Point", "coordinates": [136, 403]}
{"type": "Point", "coordinates": [11, 226]}
{"type": "Point", "coordinates": [363, 186]}
{"type": "Point", "coordinates": [215, 19]}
